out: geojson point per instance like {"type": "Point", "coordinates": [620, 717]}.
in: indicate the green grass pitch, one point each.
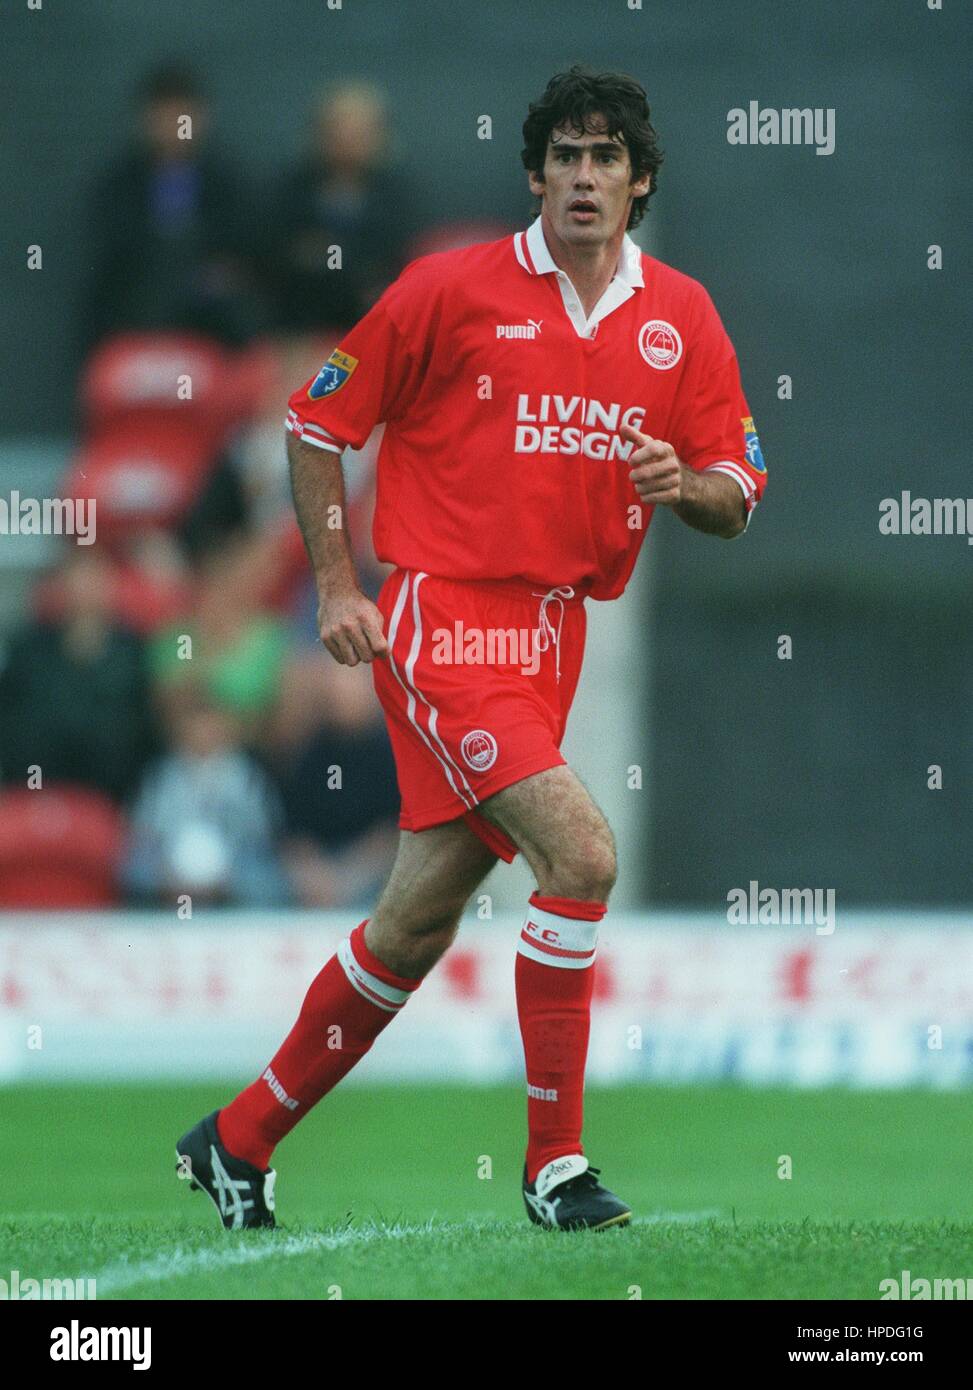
{"type": "Point", "coordinates": [380, 1195]}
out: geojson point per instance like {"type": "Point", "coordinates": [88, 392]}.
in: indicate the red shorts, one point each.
{"type": "Point", "coordinates": [476, 690]}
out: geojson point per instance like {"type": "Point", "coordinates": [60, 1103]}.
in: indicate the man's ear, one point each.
{"type": "Point", "coordinates": [641, 186]}
{"type": "Point", "coordinates": [536, 183]}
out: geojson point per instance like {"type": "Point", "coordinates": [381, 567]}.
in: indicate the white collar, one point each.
{"type": "Point", "coordinates": [541, 262]}
{"type": "Point", "coordinates": [532, 252]}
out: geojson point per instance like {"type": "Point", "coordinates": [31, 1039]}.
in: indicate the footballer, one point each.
{"type": "Point", "coordinates": [542, 395]}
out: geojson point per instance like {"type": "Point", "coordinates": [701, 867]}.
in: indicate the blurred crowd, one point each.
{"type": "Point", "coordinates": [171, 730]}
{"type": "Point", "coordinates": [180, 238]}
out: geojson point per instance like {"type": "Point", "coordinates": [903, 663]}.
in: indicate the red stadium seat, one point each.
{"type": "Point", "coordinates": [59, 848]}
{"type": "Point", "coordinates": [148, 446]}
{"type": "Point", "coordinates": [160, 378]}
{"type": "Point", "coordinates": [141, 473]}
{"type": "Point", "coordinates": [453, 236]}
{"type": "Point", "coordinates": [258, 378]}
{"type": "Point", "coordinates": [158, 410]}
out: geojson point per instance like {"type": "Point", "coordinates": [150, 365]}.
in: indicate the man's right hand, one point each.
{"type": "Point", "coordinates": [351, 627]}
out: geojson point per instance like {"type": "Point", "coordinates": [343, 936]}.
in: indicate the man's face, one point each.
{"type": "Point", "coordinates": [587, 186]}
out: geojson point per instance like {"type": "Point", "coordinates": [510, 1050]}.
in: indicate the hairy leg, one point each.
{"type": "Point", "coordinates": [434, 874]}
{"type": "Point", "coordinates": [554, 822]}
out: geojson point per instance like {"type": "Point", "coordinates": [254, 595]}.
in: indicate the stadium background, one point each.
{"type": "Point", "coordinates": [808, 772]}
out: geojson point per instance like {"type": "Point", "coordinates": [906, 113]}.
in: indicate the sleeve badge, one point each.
{"type": "Point", "coordinates": [751, 445]}
{"type": "Point", "coordinates": [332, 375]}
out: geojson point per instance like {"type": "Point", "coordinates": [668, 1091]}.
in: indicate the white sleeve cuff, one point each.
{"type": "Point", "coordinates": [743, 480]}
{"type": "Point", "coordinates": [312, 434]}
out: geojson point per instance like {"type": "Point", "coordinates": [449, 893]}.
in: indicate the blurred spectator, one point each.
{"type": "Point", "coordinates": [219, 512]}
{"type": "Point", "coordinates": [205, 820]}
{"type": "Point", "coordinates": [333, 764]}
{"type": "Point", "coordinates": [150, 582]}
{"type": "Point", "coordinates": [341, 195]}
{"type": "Point", "coordinates": [236, 652]}
{"type": "Point", "coordinates": [74, 690]}
{"type": "Point", "coordinates": [153, 580]}
{"type": "Point", "coordinates": [170, 241]}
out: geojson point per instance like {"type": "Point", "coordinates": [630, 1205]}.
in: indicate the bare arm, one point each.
{"type": "Point", "coordinates": [709, 502]}
{"type": "Point", "coordinates": [350, 624]}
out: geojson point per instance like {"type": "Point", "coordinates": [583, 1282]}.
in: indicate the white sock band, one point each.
{"type": "Point", "coordinates": [565, 942]}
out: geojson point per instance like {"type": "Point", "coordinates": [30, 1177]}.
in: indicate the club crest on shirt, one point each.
{"type": "Point", "coordinates": [332, 375]}
{"type": "Point", "coordinates": [660, 344]}
{"type": "Point", "coordinates": [479, 749]}
{"type": "Point", "coordinates": [751, 445]}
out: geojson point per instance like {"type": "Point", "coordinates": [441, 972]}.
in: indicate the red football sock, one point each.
{"type": "Point", "coordinates": [554, 975]}
{"type": "Point", "coordinates": [347, 1006]}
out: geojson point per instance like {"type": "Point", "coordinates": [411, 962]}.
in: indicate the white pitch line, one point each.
{"type": "Point", "coordinates": [173, 1264]}
{"type": "Point", "coordinates": [177, 1262]}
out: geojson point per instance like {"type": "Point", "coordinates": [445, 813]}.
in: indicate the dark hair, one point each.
{"type": "Point", "coordinates": [572, 98]}
{"type": "Point", "coordinates": [169, 82]}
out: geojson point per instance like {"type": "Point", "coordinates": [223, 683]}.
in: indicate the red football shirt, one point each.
{"type": "Point", "coordinates": [502, 402]}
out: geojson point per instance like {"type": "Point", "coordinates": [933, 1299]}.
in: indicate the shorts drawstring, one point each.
{"type": "Point", "coordinates": [547, 635]}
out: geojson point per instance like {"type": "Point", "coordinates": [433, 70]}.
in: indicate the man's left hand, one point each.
{"type": "Point", "coordinates": [656, 472]}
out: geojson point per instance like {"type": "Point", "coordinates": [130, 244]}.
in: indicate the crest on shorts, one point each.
{"type": "Point", "coordinates": [479, 750]}
{"type": "Point", "coordinates": [751, 445]}
{"type": "Point", "coordinates": [660, 344]}
{"type": "Point", "coordinates": [332, 375]}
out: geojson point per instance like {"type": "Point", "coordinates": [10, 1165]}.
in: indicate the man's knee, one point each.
{"type": "Point", "coordinates": [586, 870]}
{"type": "Point", "coordinates": [565, 838]}
{"type": "Point", "coordinates": [410, 945]}
{"type": "Point", "coordinates": [426, 928]}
